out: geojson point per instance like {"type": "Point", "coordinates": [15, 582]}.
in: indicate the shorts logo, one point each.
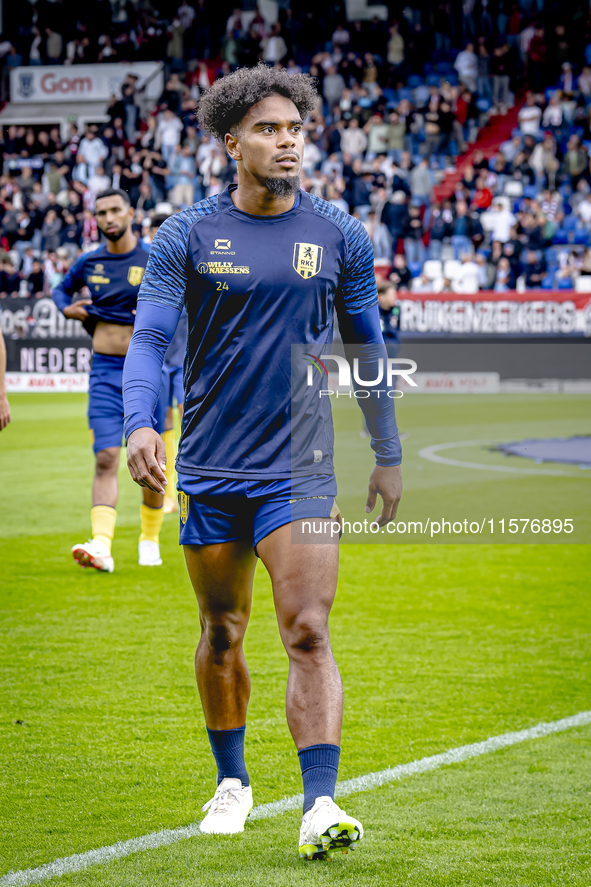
{"type": "Point", "coordinates": [183, 506]}
{"type": "Point", "coordinates": [307, 259]}
{"type": "Point", "coordinates": [135, 274]}
{"type": "Point", "coordinates": [223, 244]}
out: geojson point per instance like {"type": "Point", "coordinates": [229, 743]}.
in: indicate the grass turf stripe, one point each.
{"type": "Point", "coordinates": [154, 840]}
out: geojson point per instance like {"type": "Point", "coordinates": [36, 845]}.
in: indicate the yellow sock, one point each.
{"type": "Point", "coordinates": [102, 520]}
{"type": "Point", "coordinates": [151, 522]}
{"type": "Point", "coordinates": [168, 438]}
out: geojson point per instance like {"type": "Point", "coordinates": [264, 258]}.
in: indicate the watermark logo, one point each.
{"type": "Point", "coordinates": [385, 370]}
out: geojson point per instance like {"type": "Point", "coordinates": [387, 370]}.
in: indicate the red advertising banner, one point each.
{"type": "Point", "coordinates": [534, 313]}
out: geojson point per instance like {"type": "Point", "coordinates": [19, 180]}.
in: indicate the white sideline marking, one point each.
{"type": "Point", "coordinates": [81, 861]}
{"type": "Point", "coordinates": [432, 455]}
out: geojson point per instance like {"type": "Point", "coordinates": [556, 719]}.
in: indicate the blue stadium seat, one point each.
{"type": "Point", "coordinates": [548, 93]}
{"type": "Point", "coordinates": [530, 191]}
{"type": "Point", "coordinates": [560, 236]}
{"type": "Point", "coordinates": [565, 283]}
{"type": "Point", "coordinates": [433, 79]}
{"type": "Point", "coordinates": [570, 223]}
{"type": "Point", "coordinates": [443, 67]}
{"type": "Point", "coordinates": [405, 93]}
{"type": "Point", "coordinates": [483, 104]}
{"type": "Point", "coordinates": [552, 256]}
{"type": "Point", "coordinates": [389, 94]}
{"type": "Point", "coordinates": [415, 268]}
{"type": "Point", "coordinates": [413, 81]}
{"type": "Point", "coordinates": [548, 282]}
{"type": "Point", "coordinates": [581, 236]}
{"type": "Point", "coordinates": [452, 78]}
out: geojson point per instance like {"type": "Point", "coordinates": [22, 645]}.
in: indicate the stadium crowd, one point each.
{"type": "Point", "coordinates": [387, 126]}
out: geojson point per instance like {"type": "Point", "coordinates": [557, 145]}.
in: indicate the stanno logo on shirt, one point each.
{"type": "Point", "coordinates": [307, 259]}
{"type": "Point", "coordinates": [222, 268]}
{"type": "Point", "coordinates": [99, 268]}
{"type": "Point", "coordinates": [135, 274]}
{"type": "Point", "coordinates": [222, 247]}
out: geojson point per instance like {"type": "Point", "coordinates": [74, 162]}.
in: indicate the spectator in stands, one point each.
{"type": "Point", "coordinates": [530, 116]}
{"type": "Point", "coordinates": [400, 275]}
{"type": "Point", "coordinates": [504, 276]}
{"type": "Point", "coordinates": [576, 161]}
{"type": "Point", "coordinates": [500, 67]}
{"type": "Point", "coordinates": [466, 64]}
{"type": "Point", "coordinates": [534, 270]}
{"type": "Point", "coordinates": [414, 247]}
{"type": "Point", "coordinates": [183, 171]}
{"type": "Point", "coordinates": [54, 44]}
{"type": "Point", "coordinates": [420, 184]}
{"type": "Point", "coordinates": [462, 230]}
{"type": "Point", "coordinates": [467, 278]}
{"type": "Point", "coordinates": [35, 281]}
{"type": "Point", "coordinates": [379, 236]}
{"type": "Point", "coordinates": [583, 211]}
{"type": "Point", "coordinates": [93, 150]}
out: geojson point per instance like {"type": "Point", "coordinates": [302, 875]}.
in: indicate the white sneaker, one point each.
{"type": "Point", "coordinates": [149, 554]}
{"type": "Point", "coordinates": [228, 809]}
{"type": "Point", "coordinates": [326, 829]}
{"type": "Point", "coordinates": [94, 554]}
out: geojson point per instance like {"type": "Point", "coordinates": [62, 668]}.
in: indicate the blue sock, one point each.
{"type": "Point", "coordinates": [320, 766]}
{"type": "Point", "coordinates": [228, 750]}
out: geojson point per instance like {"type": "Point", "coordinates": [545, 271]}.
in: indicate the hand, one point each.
{"type": "Point", "coordinates": [386, 482]}
{"type": "Point", "coordinates": [77, 311]}
{"type": "Point", "coordinates": [146, 459]}
{"type": "Point", "coordinates": [4, 411]}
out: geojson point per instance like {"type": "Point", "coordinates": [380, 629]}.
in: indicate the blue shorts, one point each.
{"type": "Point", "coordinates": [105, 401]}
{"type": "Point", "coordinates": [171, 390]}
{"type": "Point", "coordinates": [218, 509]}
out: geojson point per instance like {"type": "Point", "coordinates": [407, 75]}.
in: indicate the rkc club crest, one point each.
{"type": "Point", "coordinates": [135, 274]}
{"type": "Point", "coordinates": [307, 259]}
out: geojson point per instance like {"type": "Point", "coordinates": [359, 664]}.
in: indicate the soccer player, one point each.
{"type": "Point", "coordinates": [4, 406]}
{"type": "Point", "coordinates": [171, 392]}
{"type": "Point", "coordinates": [259, 268]}
{"type": "Point", "coordinates": [113, 274]}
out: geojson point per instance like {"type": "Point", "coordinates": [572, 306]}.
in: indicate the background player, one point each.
{"type": "Point", "coordinates": [171, 393]}
{"type": "Point", "coordinates": [112, 273]}
{"type": "Point", "coordinates": [4, 406]}
{"type": "Point", "coordinates": [253, 289]}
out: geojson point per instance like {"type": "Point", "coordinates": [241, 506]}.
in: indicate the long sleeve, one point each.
{"type": "Point", "coordinates": [142, 374]}
{"type": "Point", "coordinates": [72, 283]}
{"type": "Point", "coordinates": [363, 330]}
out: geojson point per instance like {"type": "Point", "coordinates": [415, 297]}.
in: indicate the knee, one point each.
{"type": "Point", "coordinates": [223, 634]}
{"type": "Point", "coordinates": [106, 462]}
{"type": "Point", "coordinates": [307, 634]}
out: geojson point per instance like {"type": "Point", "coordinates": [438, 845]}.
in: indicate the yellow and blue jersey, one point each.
{"type": "Point", "coordinates": [253, 286]}
{"type": "Point", "coordinates": [113, 281]}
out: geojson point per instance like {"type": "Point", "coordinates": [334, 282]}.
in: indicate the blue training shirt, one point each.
{"type": "Point", "coordinates": [253, 286]}
{"type": "Point", "coordinates": [113, 281]}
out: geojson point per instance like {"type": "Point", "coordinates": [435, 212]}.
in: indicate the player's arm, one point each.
{"type": "Point", "coordinates": [72, 283]}
{"type": "Point", "coordinates": [359, 322]}
{"type": "Point", "coordinates": [160, 302]}
{"type": "Point", "coordinates": [4, 406]}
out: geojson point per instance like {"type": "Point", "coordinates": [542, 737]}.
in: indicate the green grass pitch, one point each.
{"type": "Point", "coordinates": [101, 733]}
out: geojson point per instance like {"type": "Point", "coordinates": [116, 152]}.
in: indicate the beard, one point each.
{"type": "Point", "coordinates": [114, 236]}
{"type": "Point", "coordinates": [282, 187]}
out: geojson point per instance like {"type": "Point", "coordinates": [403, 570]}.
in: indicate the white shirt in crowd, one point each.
{"type": "Point", "coordinates": [169, 130]}
{"type": "Point", "coordinates": [529, 120]}
{"type": "Point", "coordinates": [93, 150]}
{"type": "Point", "coordinates": [500, 222]}
{"type": "Point", "coordinates": [584, 210]}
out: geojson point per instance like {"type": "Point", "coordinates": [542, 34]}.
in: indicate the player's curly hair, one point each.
{"type": "Point", "coordinates": [228, 100]}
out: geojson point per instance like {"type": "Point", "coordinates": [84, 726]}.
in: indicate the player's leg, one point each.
{"type": "Point", "coordinates": [222, 577]}
{"type": "Point", "coordinates": [304, 579]}
{"type": "Point", "coordinates": [103, 515]}
{"type": "Point", "coordinates": [105, 420]}
{"type": "Point", "coordinates": [170, 499]}
{"type": "Point", "coordinates": [151, 517]}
